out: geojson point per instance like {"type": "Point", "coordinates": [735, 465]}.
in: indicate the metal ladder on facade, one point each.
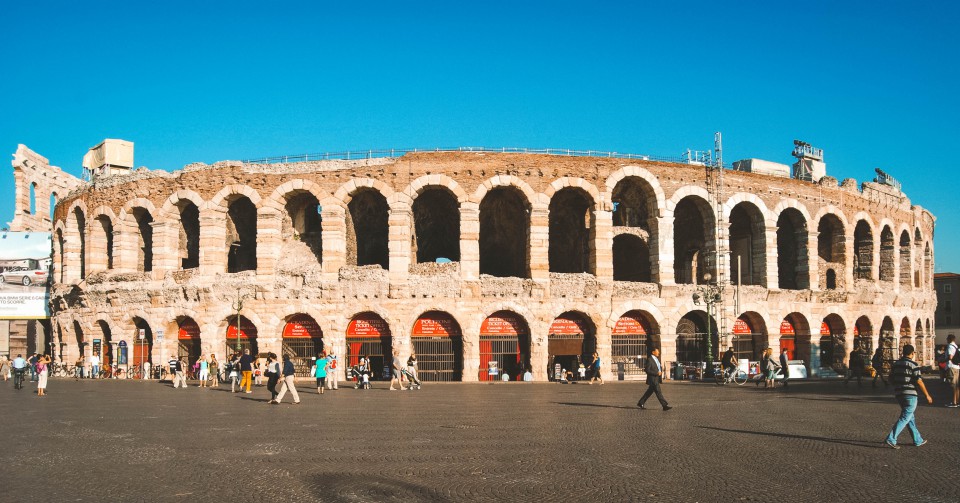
{"type": "Point", "coordinates": [714, 179]}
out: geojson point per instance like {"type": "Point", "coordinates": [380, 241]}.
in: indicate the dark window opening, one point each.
{"type": "Point", "coordinates": [504, 233]}
{"type": "Point", "coordinates": [631, 259]}
{"type": "Point", "coordinates": [144, 239]}
{"type": "Point", "coordinates": [368, 229]}
{"type": "Point", "coordinates": [571, 232]}
{"type": "Point", "coordinates": [888, 252]}
{"type": "Point", "coordinates": [862, 251]}
{"type": "Point", "coordinates": [189, 248]}
{"type": "Point", "coordinates": [303, 223]}
{"type": "Point", "coordinates": [831, 279]}
{"type": "Point", "coordinates": [692, 224]}
{"type": "Point", "coordinates": [436, 232]}
{"type": "Point", "coordinates": [241, 235]}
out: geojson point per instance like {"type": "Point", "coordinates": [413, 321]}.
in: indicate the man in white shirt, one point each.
{"type": "Point", "coordinates": [953, 370]}
{"type": "Point", "coordinates": [94, 366]}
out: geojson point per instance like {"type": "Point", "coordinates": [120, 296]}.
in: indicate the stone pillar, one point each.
{"type": "Point", "coordinates": [772, 281]}
{"type": "Point", "coordinates": [539, 356]}
{"type": "Point", "coordinates": [166, 249]}
{"type": "Point", "coordinates": [471, 355]}
{"type": "Point", "coordinates": [399, 236]}
{"type": "Point", "coordinates": [538, 260]}
{"type": "Point", "coordinates": [668, 353]}
{"type": "Point", "coordinates": [334, 231]}
{"type": "Point", "coordinates": [469, 244]}
{"type": "Point", "coordinates": [848, 250]}
{"type": "Point", "coordinates": [269, 242]}
{"type": "Point", "coordinates": [664, 249]}
{"type": "Point", "coordinates": [813, 261]}
{"type": "Point", "coordinates": [602, 246]}
{"type": "Point", "coordinates": [604, 352]}
{"type": "Point", "coordinates": [213, 237]}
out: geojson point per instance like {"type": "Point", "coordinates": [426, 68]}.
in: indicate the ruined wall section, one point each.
{"type": "Point", "coordinates": [32, 169]}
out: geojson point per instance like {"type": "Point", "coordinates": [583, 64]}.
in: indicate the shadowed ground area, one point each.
{"type": "Point", "coordinates": [144, 441]}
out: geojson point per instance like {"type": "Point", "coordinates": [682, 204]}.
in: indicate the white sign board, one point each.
{"type": "Point", "coordinates": [25, 259]}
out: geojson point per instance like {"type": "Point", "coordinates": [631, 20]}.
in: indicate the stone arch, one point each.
{"type": "Point", "coordinates": [348, 190]}
{"type": "Point", "coordinates": [427, 182]}
{"type": "Point", "coordinates": [136, 234]}
{"type": "Point", "coordinates": [693, 330]}
{"type": "Point", "coordinates": [572, 230]}
{"type": "Point", "coordinates": [367, 226]}
{"type": "Point", "coordinates": [906, 259]}
{"type": "Point", "coordinates": [221, 200]}
{"type": "Point", "coordinates": [505, 226]}
{"type": "Point", "coordinates": [833, 333]}
{"type": "Point", "coordinates": [831, 249]}
{"type": "Point", "coordinates": [693, 238]}
{"type": "Point", "coordinates": [278, 199]}
{"type": "Point", "coordinates": [436, 223]}
{"type": "Point", "coordinates": [747, 239]}
{"type": "Point", "coordinates": [504, 181]}
{"type": "Point", "coordinates": [638, 172]}
{"type": "Point", "coordinates": [299, 221]}
{"type": "Point", "coordinates": [750, 336]}
{"type": "Point", "coordinates": [792, 244]}
{"type": "Point", "coordinates": [863, 334]}
{"type": "Point", "coordinates": [888, 254]}
{"type": "Point", "coordinates": [573, 182]}
{"type": "Point", "coordinates": [863, 245]}
{"type": "Point", "coordinates": [508, 341]}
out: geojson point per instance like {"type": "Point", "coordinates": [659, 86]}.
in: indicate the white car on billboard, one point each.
{"type": "Point", "coordinates": [25, 277]}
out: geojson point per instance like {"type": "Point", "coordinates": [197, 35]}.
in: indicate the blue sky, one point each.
{"type": "Point", "coordinates": [872, 83]}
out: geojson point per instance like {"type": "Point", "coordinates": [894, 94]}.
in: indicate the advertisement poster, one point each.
{"type": "Point", "coordinates": [25, 260]}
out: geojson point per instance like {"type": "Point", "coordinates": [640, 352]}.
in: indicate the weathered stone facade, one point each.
{"type": "Point", "coordinates": [538, 236]}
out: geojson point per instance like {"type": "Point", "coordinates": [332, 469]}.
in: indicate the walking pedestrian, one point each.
{"type": "Point", "coordinates": [259, 367]}
{"type": "Point", "coordinates": [33, 366]}
{"type": "Point", "coordinates": [395, 371]}
{"type": "Point", "coordinates": [855, 366]}
{"type": "Point", "coordinates": [320, 371]}
{"type": "Point", "coordinates": [204, 371]}
{"type": "Point", "coordinates": [953, 369]}
{"type": "Point", "coordinates": [94, 366]}
{"type": "Point", "coordinates": [78, 367]}
{"type": "Point", "coordinates": [288, 382]}
{"type": "Point", "coordinates": [5, 368]}
{"type": "Point", "coordinates": [176, 368]}
{"type": "Point", "coordinates": [43, 370]}
{"type": "Point", "coordinates": [19, 371]}
{"type": "Point", "coordinates": [272, 371]}
{"type": "Point", "coordinates": [595, 369]}
{"type": "Point", "coordinates": [233, 367]}
{"type": "Point", "coordinates": [246, 370]}
{"type": "Point", "coordinates": [785, 365]}
{"type": "Point", "coordinates": [768, 366]}
{"type": "Point", "coordinates": [332, 371]}
{"type": "Point", "coordinates": [413, 378]}
{"type": "Point", "coordinates": [905, 377]}
{"type": "Point", "coordinates": [654, 372]}
{"type": "Point", "coordinates": [214, 368]}
{"type": "Point", "coordinates": [877, 363]}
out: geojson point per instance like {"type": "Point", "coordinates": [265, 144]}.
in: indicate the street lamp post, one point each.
{"type": "Point", "coordinates": [709, 295]}
{"type": "Point", "coordinates": [238, 306]}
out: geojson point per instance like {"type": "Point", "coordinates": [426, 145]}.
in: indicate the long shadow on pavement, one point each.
{"type": "Point", "coordinates": [577, 404]}
{"type": "Point", "coordinates": [855, 443]}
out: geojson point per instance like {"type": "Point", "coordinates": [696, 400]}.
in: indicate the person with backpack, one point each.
{"type": "Point", "coordinates": [953, 369]}
{"type": "Point", "coordinates": [877, 363]}
{"type": "Point", "coordinates": [332, 371]}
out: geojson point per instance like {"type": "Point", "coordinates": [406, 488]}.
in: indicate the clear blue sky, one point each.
{"type": "Point", "coordinates": [875, 84]}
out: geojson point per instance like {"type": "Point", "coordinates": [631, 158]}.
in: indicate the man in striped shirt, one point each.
{"type": "Point", "coordinates": [905, 378]}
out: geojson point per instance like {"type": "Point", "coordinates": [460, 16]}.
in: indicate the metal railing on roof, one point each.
{"type": "Point", "coordinates": [394, 152]}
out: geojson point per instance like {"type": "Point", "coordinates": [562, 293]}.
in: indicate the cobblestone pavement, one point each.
{"type": "Point", "coordinates": [144, 441]}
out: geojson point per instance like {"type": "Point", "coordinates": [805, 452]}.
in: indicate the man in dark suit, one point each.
{"type": "Point", "coordinates": [654, 370]}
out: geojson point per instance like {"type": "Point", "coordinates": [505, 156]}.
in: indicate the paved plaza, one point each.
{"type": "Point", "coordinates": [144, 441]}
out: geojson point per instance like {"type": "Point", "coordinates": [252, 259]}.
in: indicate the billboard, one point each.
{"type": "Point", "coordinates": [25, 273]}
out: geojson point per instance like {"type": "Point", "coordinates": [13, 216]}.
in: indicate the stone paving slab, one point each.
{"type": "Point", "coordinates": [145, 441]}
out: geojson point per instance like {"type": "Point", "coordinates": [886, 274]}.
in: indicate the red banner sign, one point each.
{"type": "Point", "coordinates": [741, 327]}
{"type": "Point", "coordinates": [567, 326]}
{"type": "Point", "coordinates": [503, 323]}
{"type": "Point", "coordinates": [188, 330]}
{"type": "Point", "coordinates": [824, 328]}
{"type": "Point", "coordinates": [247, 330]}
{"type": "Point", "coordinates": [302, 327]}
{"type": "Point", "coordinates": [368, 325]}
{"type": "Point", "coordinates": [436, 325]}
{"type": "Point", "coordinates": [786, 328]}
{"type": "Point", "coordinates": [630, 325]}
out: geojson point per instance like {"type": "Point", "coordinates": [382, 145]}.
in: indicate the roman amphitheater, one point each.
{"type": "Point", "coordinates": [471, 257]}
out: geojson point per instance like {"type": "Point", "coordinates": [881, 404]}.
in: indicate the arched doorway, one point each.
{"type": "Point", "coordinates": [634, 336]}
{"type": "Point", "coordinates": [905, 335]}
{"type": "Point", "coordinates": [749, 337]}
{"type": "Point", "coordinates": [302, 340]}
{"type": "Point", "coordinates": [143, 346]}
{"type": "Point", "coordinates": [107, 338]}
{"type": "Point", "coordinates": [863, 335]}
{"type": "Point", "coordinates": [692, 338]}
{"type": "Point", "coordinates": [505, 233]}
{"type": "Point", "coordinates": [246, 338]}
{"type": "Point", "coordinates": [188, 340]}
{"type": "Point", "coordinates": [571, 342]}
{"type": "Point", "coordinates": [832, 339]}
{"type": "Point", "coordinates": [438, 342]}
{"type": "Point", "coordinates": [795, 338]}
{"type": "Point", "coordinates": [368, 335]}
{"type": "Point", "coordinates": [504, 342]}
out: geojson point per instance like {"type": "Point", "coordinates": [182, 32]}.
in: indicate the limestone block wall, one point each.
{"type": "Point", "coordinates": [109, 294]}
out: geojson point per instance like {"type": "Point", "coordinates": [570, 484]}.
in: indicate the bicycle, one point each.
{"type": "Point", "coordinates": [18, 375]}
{"type": "Point", "coordinates": [732, 374]}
